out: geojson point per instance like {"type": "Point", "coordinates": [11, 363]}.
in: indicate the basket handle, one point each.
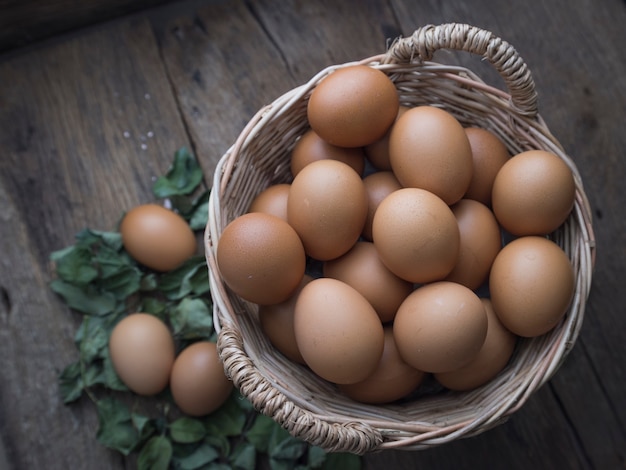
{"type": "Point", "coordinates": [422, 44]}
{"type": "Point", "coordinates": [354, 437]}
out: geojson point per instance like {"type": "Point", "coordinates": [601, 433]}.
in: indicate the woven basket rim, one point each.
{"type": "Point", "coordinates": [305, 405]}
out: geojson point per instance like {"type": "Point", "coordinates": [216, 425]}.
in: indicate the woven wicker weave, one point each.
{"type": "Point", "coordinates": [307, 406]}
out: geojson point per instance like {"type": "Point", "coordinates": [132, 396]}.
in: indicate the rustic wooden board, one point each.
{"type": "Point", "coordinates": [26, 21]}
{"type": "Point", "coordinates": [86, 124]}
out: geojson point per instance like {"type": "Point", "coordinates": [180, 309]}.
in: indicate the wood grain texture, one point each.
{"type": "Point", "coordinates": [75, 115]}
{"type": "Point", "coordinates": [86, 126]}
{"type": "Point", "coordinates": [23, 22]}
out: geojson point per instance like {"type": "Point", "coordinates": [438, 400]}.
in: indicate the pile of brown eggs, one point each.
{"type": "Point", "coordinates": [433, 263]}
{"type": "Point", "coordinates": [142, 347]}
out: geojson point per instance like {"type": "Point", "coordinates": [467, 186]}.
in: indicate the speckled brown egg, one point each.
{"type": "Point", "coordinates": [261, 258]}
{"type": "Point", "coordinates": [533, 193]}
{"type": "Point", "coordinates": [277, 323]}
{"type": "Point", "coordinates": [416, 235]}
{"type": "Point", "coordinates": [480, 242]}
{"type": "Point", "coordinates": [493, 356]}
{"type": "Point", "coordinates": [531, 285]}
{"type": "Point", "coordinates": [378, 186]}
{"type": "Point", "coordinates": [327, 207]}
{"type": "Point", "coordinates": [198, 383]}
{"type": "Point", "coordinates": [338, 332]}
{"type": "Point", "coordinates": [362, 269]}
{"type": "Point", "coordinates": [310, 147]}
{"type": "Point", "coordinates": [353, 106]}
{"type": "Point", "coordinates": [428, 149]}
{"type": "Point", "coordinates": [378, 152]}
{"type": "Point", "coordinates": [157, 237]}
{"type": "Point", "coordinates": [142, 353]}
{"type": "Point", "coordinates": [489, 154]}
{"type": "Point", "coordinates": [392, 380]}
{"type": "Point", "coordinates": [440, 327]}
{"type": "Point", "coordinates": [272, 200]}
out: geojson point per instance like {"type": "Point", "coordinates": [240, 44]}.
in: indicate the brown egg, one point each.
{"type": "Point", "coordinates": [272, 200]}
{"type": "Point", "coordinates": [277, 323]}
{"type": "Point", "coordinates": [338, 332]}
{"type": "Point", "coordinates": [378, 152]}
{"type": "Point", "coordinates": [493, 356]}
{"type": "Point", "coordinates": [481, 241]}
{"type": "Point", "coordinates": [362, 269]}
{"type": "Point", "coordinates": [311, 147]}
{"type": "Point", "coordinates": [198, 383]}
{"type": "Point", "coordinates": [416, 235]}
{"type": "Point", "coordinates": [489, 154]}
{"type": "Point", "coordinates": [428, 149]}
{"type": "Point", "coordinates": [440, 327]}
{"type": "Point", "coordinates": [327, 207]}
{"type": "Point", "coordinates": [353, 106]}
{"type": "Point", "coordinates": [261, 258]}
{"type": "Point", "coordinates": [378, 186]}
{"type": "Point", "coordinates": [531, 285]}
{"type": "Point", "coordinates": [157, 237]}
{"type": "Point", "coordinates": [142, 353]}
{"type": "Point", "coordinates": [533, 193]}
{"type": "Point", "coordinates": [392, 380]}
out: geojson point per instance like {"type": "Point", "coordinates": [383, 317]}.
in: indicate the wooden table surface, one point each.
{"type": "Point", "coordinates": [88, 118]}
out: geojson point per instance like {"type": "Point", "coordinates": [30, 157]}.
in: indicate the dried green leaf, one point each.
{"type": "Point", "coordinates": [86, 300]}
{"type": "Point", "coordinates": [198, 458]}
{"type": "Point", "coordinates": [200, 212]}
{"type": "Point", "coordinates": [315, 457]}
{"type": "Point", "coordinates": [96, 238]}
{"type": "Point", "coordinates": [217, 466]}
{"type": "Point", "coordinates": [343, 460]}
{"type": "Point", "coordinates": [283, 446]}
{"type": "Point", "coordinates": [243, 457]}
{"type": "Point", "coordinates": [218, 442]}
{"type": "Point", "coordinates": [154, 306]}
{"type": "Point", "coordinates": [116, 430]}
{"type": "Point", "coordinates": [71, 383]}
{"type": "Point", "coordinates": [74, 265]}
{"type": "Point", "coordinates": [187, 430]}
{"type": "Point", "coordinates": [228, 420]}
{"type": "Point", "coordinates": [183, 176]}
{"type": "Point", "coordinates": [93, 375]}
{"type": "Point", "coordinates": [260, 432]}
{"type": "Point", "coordinates": [192, 319]}
{"type": "Point", "coordinates": [156, 454]}
{"type": "Point", "coordinates": [125, 282]}
{"type": "Point", "coordinates": [149, 282]}
{"type": "Point", "coordinates": [92, 337]}
{"type": "Point", "coordinates": [109, 377]}
{"type": "Point", "coordinates": [242, 401]}
{"type": "Point", "coordinates": [143, 424]}
{"type": "Point", "coordinates": [280, 464]}
{"type": "Point", "coordinates": [191, 277]}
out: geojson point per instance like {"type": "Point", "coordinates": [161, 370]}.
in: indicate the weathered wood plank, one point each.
{"type": "Point", "coordinates": [225, 63]}
{"type": "Point", "coordinates": [89, 123]}
{"type": "Point", "coordinates": [26, 21]}
{"type": "Point", "coordinates": [35, 344]}
{"type": "Point", "coordinates": [223, 69]}
{"type": "Point", "coordinates": [86, 124]}
{"type": "Point", "coordinates": [315, 35]}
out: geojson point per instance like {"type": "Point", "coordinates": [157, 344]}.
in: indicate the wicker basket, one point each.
{"type": "Point", "coordinates": [311, 408]}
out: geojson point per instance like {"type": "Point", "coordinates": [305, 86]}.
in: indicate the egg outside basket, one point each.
{"type": "Point", "coordinates": [311, 408]}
